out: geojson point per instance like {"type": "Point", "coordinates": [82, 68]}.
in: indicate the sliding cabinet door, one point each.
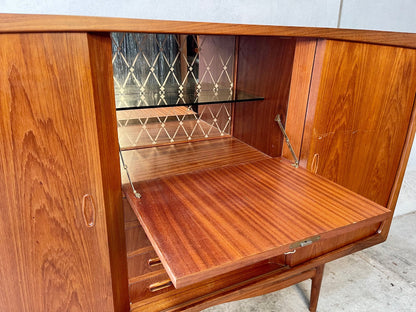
{"type": "Point", "coordinates": [359, 109]}
{"type": "Point", "coordinates": [55, 189]}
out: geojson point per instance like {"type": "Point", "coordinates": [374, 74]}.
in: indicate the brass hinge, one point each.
{"type": "Point", "coordinates": [279, 121]}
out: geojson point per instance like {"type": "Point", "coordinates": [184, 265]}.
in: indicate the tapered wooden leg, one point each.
{"type": "Point", "coordinates": [316, 288]}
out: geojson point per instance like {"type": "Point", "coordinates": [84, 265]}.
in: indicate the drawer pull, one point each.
{"type": "Point", "coordinates": [160, 285]}
{"type": "Point", "coordinates": [154, 262]}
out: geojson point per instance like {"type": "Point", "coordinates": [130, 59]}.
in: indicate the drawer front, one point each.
{"type": "Point", "coordinates": [129, 215]}
{"type": "Point", "coordinates": [142, 288]}
{"type": "Point", "coordinates": [136, 240]}
{"type": "Point", "coordinates": [321, 247]}
{"type": "Point", "coordinates": [143, 263]}
{"type": "Point", "coordinates": [142, 297]}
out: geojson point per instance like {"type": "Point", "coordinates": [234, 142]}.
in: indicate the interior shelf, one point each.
{"type": "Point", "coordinates": [222, 217]}
{"type": "Point", "coordinates": [187, 98]}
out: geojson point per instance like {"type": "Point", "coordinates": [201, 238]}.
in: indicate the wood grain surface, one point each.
{"type": "Point", "coordinates": [325, 246]}
{"type": "Point", "coordinates": [362, 116]}
{"type": "Point", "coordinates": [38, 23]}
{"type": "Point", "coordinates": [303, 63]}
{"type": "Point", "coordinates": [215, 221]}
{"type": "Point", "coordinates": [261, 284]}
{"type": "Point", "coordinates": [264, 68]}
{"type": "Point", "coordinates": [172, 298]}
{"type": "Point", "coordinates": [99, 46]}
{"type": "Point", "coordinates": [155, 162]}
{"type": "Point", "coordinates": [49, 160]}
{"type": "Point", "coordinates": [316, 288]}
{"type": "Point", "coordinates": [312, 102]}
{"type": "Point", "coordinates": [394, 195]}
{"type": "Point", "coordinates": [138, 264]}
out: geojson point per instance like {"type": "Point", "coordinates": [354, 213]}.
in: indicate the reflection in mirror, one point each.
{"type": "Point", "coordinates": [160, 78]}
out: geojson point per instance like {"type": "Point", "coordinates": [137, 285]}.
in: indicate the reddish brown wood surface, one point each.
{"type": "Point", "coordinates": [402, 168]}
{"type": "Point", "coordinates": [104, 102]}
{"type": "Point", "coordinates": [214, 221]}
{"type": "Point", "coordinates": [176, 299]}
{"type": "Point", "coordinates": [316, 288]}
{"type": "Point", "coordinates": [141, 276]}
{"type": "Point", "coordinates": [40, 23]}
{"type": "Point", "coordinates": [49, 160]}
{"type": "Point", "coordinates": [327, 245]}
{"type": "Point", "coordinates": [138, 264]}
{"type": "Point", "coordinates": [311, 106]}
{"type": "Point", "coordinates": [299, 92]}
{"type": "Point", "coordinates": [362, 115]}
{"type": "Point", "coordinates": [156, 162]}
{"type": "Point", "coordinates": [264, 68]}
{"type": "Point", "coordinates": [180, 299]}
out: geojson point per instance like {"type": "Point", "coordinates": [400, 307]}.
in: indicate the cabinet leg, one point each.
{"type": "Point", "coordinates": [316, 288]}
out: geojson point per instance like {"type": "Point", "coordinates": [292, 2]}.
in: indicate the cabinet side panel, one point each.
{"type": "Point", "coordinates": [52, 259]}
{"type": "Point", "coordinates": [104, 100]}
{"type": "Point", "coordinates": [264, 69]}
{"type": "Point", "coordinates": [402, 167]}
{"type": "Point", "coordinates": [362, 116]}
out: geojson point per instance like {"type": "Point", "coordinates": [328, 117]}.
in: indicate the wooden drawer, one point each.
{"type": "Point", "coordinates": [129, 215]}
{"type": "Point", "coordinates": [138, 264]}
{"type": "Point", "coordinates": [145, 300]}
{"type": "Point", "coordinates": [136, 239]}
{"type": "Point", "coordinates": [139, 288]}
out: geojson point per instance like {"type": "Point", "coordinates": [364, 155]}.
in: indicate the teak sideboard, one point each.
{"type": "Point", "coordinates": [192, 223]}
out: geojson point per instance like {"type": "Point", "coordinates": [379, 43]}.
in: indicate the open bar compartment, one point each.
{"type": "Point", "coordinates": [172, 88]}
{"type": "Point", "coordinates": [211, 207]}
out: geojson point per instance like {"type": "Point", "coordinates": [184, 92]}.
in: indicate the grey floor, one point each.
{"type": "Point", "coordinates": [380, 278]}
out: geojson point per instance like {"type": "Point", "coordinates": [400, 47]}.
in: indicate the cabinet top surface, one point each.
{"type": "Point", "coordinates": [214, 221]}
{"type": "Point", "coordinates": [58, 23]}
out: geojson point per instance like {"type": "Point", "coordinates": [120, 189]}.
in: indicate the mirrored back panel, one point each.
{"type": "Point", "coordinates": [172, 88]}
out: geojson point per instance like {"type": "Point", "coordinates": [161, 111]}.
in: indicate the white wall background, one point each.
{"type": "Point", "coordinates": [286, 12]}
{"type": "Point", "coordinates": [390, 15]}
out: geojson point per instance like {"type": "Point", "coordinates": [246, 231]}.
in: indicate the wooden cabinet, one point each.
{"type": "Point", "coordinates": [219, 219]}
{"type": "Point", "coordinates": [55, 194]}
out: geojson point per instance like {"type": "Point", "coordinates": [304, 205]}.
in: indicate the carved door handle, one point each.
{"type": "Point", "coordinates": [315, 163]}
{"type": "Point", "coordinates": [88, 210]}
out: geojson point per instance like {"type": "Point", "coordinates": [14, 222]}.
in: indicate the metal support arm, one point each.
{"type": "Point", "coordinates": [279, 121]}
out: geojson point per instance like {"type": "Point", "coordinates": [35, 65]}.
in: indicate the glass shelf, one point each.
{"type": "Point", "coordinates": [187, 98]}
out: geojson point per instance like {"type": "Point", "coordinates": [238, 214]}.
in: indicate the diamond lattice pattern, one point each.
{"type": "Point", "coordinates": [153, 72]}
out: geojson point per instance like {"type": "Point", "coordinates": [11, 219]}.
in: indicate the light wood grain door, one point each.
{"type": "Point", "coordinates": [360, 105]}
{"type": "Point", "coordinates": [53, 232]}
